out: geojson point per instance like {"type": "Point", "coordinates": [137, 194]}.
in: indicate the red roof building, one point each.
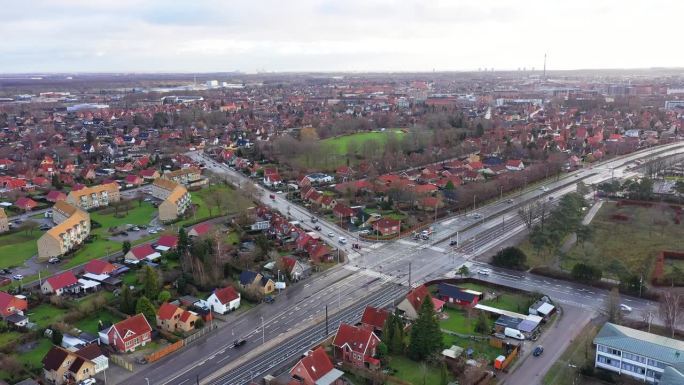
{"type": "Point", "coordinates": [55, 196]}
{"type": "Point", "coordinates": [167, 241]}
{"type": "Point", "coordinates": [130, 333]}
{"type": "Point", "coordinates": [98, 267]}
{"type": "Point", "coordinates": [141, 252]}
{"type": "Point", "coordinates": [387, 226]}
{"type": "Point", "coordinates": [26, 203]}
{"type": "Point", "coordinates": [10, 304]}
{"type": "Point", "coordinates": [314, 366]}
{"type": "Point", "coordinates": [200, 229]}
{"type": "Point", "coordinates": [374, 318]}
{"type": "Point", "coordinates": [355, 345]}
{"type": "Point", "coordinates": [59, 283]}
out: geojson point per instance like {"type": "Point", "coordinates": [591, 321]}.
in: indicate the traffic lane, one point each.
{"type": "Point", "coordinates": [555, 340]}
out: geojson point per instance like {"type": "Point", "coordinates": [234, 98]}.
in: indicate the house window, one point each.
{"type": "Point", "coordinates": [608, 361]}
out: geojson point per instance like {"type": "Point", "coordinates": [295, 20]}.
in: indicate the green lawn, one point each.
{"type": "Point", "coordinates": [414, 372]}
{"type": "Point", "coordinates": [481, 348]}
{"type": "Point", "coordinates": [46, 314]}
{"type": "Point", "coordinates": [506, 300]}
{"type": "Point", "coordinates": [16, 248]}
{"type": "Point", "coordinates": [632, 244]}
{"type": "Point", "coordinates": [34, 357]}
{"type": "Point", "coordinates": [137, 215]}
{"type": "Point", "coordinates": [7, 337]}
{"type": "Point", "coordinates": [90, 324]}
{"type": "Point", "coordinates": [130, 278]}
{"type": "Point", "coordinates": [233, 238]}
{"type": "Point", "coordinates": [341, 145]}
{"type": "Point", "coordinates": [458, 322]}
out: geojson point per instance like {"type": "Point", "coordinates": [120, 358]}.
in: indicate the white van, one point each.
{"type": "Point", "coordinates": [514, 333]}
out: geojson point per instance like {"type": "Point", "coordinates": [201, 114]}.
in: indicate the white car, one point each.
{"type": "Point", "coordinates": [88, 381]}
{"type": "Point", "coordinates": [625, 308]}
{"type": "Point", "coordinates": [343, 240]}
{"type": "Point", "coordinates": [152, 231]}
{"type": "Point", "coordinates": [18, 277]}
{"type": "Point", "coordinates": [331, 234]}
{"type": "Point", "coordinates": [544, 188]}
{"type": "Point", "coordinates": [484, 271]}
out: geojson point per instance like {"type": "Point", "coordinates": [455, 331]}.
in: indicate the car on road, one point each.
{"type": "Point", "coordinates": [453, 242]}
{"type": "Point", "coordinates": [17, 277]}
{"type": "Point", "coordinates": [317, 228]}
{"type": "Point", "coordinates": [625, 308]}
{"type": "Point", "coordinates": [152, 231]}
{"type": "Point", "coordinates": [269, 299]}
{"type": "Point", "coordinates": [45, 227]}
{"type": "Point", "coordinates": [538, 351]}
{"type": "Point", "coordinates": [484, 271]}
{"type": "Point", "coordinates": [88, 381]}
{"type": "Point", "coordinates": [314, 219]}
{"type": "Point", "coordinates": [6, 271]}
{"type": "Point", "coordinates": [477, 216]}
{"type": "Point", "coordinates": [551, 198]}
{"type": "Point", "coordinates": [272, 196]}
{"type": "Point", "coordinates": [544, 188]}
{"type": "Point", "coordinates": [331, 234]}
{"type": "Point", "coordinates": [509, 200]}
{"type": "Point", "coordinates": [240, 342]}
{"type": "Point", "coordinates": [53, 260]}
{"type": "Point", "coordinates": [343, 240]}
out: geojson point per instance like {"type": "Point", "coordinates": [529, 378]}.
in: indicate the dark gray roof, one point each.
{"type": "Point", "coordinates": [509, 322]}
{"type": "Point", "coordinates": [667, 350]}
{"type": "Point", "coordinates": [455, 292]}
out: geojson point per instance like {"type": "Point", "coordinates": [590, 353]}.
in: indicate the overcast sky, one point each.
{"type": "Point", "coordinates": [340, 35]}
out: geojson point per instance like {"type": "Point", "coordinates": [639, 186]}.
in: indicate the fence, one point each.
{"type": "Point", "coordinates": [165, 351]}
{"type": "Point", "coordinates": [206, 330]}
{"type": "Point", "coordinates": [120, 361]}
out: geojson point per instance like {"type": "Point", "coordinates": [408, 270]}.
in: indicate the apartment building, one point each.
{"type": "Point", "coordinates": [73, 227]}
{"type": "Point", "coordinates": [97, 196]}
{"type": "Point", "coordinates": [647, 357]}
{"type": "Point", "coordinates": [175, 199]}
{"type": "Point", "coordinates": [4, 221]}
{"type": "Point", "coordinates": [191, 176]}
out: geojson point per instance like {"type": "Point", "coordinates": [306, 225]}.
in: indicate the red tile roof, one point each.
{"type": "Point", "coordinates": [168, 241]}
{"type": "Point", "coordinates": [62, 280]}
{"type": "Point", "coordinates": [142, 251]}
{"type": "Point", "coordinates": [98, 266]}
{"type": "Point", "coordinates": [356, 338]}
{"type": "Point", "coordinates": [166, 311]}
{"type": "Point", "coordinates": [226, 295]}
{"type": "Point", "coordinates": [137, 324]}
{"type": "Point", "coordinates": [374, 317]}
{"type": "Point", "coordinates": [8, 301]}
{"type": "Point", "coordinates": [417, 296]}
{"type": "Point", "coordinates": [201, 228]}
{"type": "Point", "coordinates": [316, 363]}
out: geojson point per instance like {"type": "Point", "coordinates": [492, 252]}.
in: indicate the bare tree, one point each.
{"type": "Point", "coordinates": [670, 310]}
{"type": "Point", "coordinates": [647, 316]}
{"type": "Point", "coordinates": [612, 306]}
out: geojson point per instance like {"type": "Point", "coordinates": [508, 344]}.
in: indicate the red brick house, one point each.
{"type": "Point", "coordinates": [387, 226]}
{"type": "Point", "coordinates": [129, 334]}
{"type": "Point", "coordinates": [10, 304]}
{"type": "Point", "coordinates": [457, 296]}
{"type": "Point", "coordinates": [26, 204]}
{"type": "Point", "coordinates": [356, 345]}
{"type": "Point", "coordinates": [374, 318]}
{"type": "Point", "coordinates": [343, 211]}
{"type": "Point", "coordinates": [133, 180]}
{"type": "Point", "coordinates": [314, 366]}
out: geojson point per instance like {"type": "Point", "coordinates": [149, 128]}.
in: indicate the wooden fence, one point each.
{"type": "Point", "coordinates": [120, 361]}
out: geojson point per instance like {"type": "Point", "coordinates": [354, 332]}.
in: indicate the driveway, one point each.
{"type": "Point", "coordinates": [531, 370]}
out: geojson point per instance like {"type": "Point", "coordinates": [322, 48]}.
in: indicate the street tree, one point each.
{"type": "Point", "coordinates": [463, 271]}
{"type": "Point", "coordinates": [612, 307]}
{"type": "Point", "coordinates": [671, 310]}
{"type": "Point", "coordinates": [125, 247]}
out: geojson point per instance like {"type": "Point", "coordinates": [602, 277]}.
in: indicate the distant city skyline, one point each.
{"type": "Point", "coordinates": [331, 36]}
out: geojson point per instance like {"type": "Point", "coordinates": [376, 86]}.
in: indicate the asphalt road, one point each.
{"type": "Point", "coordinates": [376, 270]}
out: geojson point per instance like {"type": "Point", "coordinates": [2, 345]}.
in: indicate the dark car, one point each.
{"type": "Point", "coordinates": [314, 219]}
{"type": "Point", "coordinates": [238, 343]}
{"type": "Point", "coordinates": [538, 351]}
{"type": "Point", "coordinates": [317, 228]}
{"type": "Point", "coordinates": [269, 299]}
{"type": "Point", "coordinates": [453, 243]}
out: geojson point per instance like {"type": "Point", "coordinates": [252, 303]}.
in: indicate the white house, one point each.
{"type": "Point", "coordinates": [60, 283]}
{"type": "Point", "coordinates": [515, 165]}
{"type": "Point", "coordinates": [140, 253]}
{"type": "Point", "coordinates": [224, 300]}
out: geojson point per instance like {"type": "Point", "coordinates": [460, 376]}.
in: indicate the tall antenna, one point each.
{"type": "Point", "coordinates": [544, 67]}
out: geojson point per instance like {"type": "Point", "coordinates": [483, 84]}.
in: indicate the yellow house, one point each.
{"type": "Point", "coordinates": [172, 318]}
{"type": "Point", "coordinates": [187, 176]}
{"type": "Point", "coordinates": [61, 366]}
{"type": "Point", "coordinates": [97, 196]}
{"type": "Point", "coordinates": [176, 199]}
{"type": "Point", "coordinates": [73, 227]}
{"type": "Point", "coordinates": [4, 223]}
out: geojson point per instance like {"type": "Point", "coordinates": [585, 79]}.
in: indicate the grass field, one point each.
{"type": "Point", "coordinates": [44, 315]}
{"type": "Point", "coordinates": [414, 372]}
{"type": "Point", "coordinates": [481, 348]}
{"type": "Point", "coordinates": [342, 145]}
{"type": "Point", "coordinates": [505, 300]}
{"type": "Point", "coordinates": [633, 243]}
{"type": "Point", "coordinates": [90, 324]}
{"type": "Point", "coordinates": [334, 152]}
{"type": "Point", "coordinates": [15, 248]}
{"type": "Point", "coordinates": [34, 357]}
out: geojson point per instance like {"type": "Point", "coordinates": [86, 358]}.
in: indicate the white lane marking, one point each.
{"type": "Point", "coordinates": [226, 357]}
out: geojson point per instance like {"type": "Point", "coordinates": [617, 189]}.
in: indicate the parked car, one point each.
{"type": "Point", "coordinates": [538, 351]}
{"type": "Point", "coordinates": [88, 381]}
{"type": "Point", "coordinates": [54, 260]}
{"type": "Point", "coordinates": [18, 277]}
{"type": "Point", "coordinates": [6, 271]}
{"type": "Point", "coordinates": [269, 299]}
{"type": "Point", "coordinates": [625, 308]}
{"type": "Point", "coordinates": [240, 342]}
{"type": "Point", "coordinates": [153, 231]}
{"type": "Point", "coordinates": [4, 281]}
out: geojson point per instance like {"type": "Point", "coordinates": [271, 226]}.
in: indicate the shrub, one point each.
{"type": "Point", "coordinates": [511, 258]}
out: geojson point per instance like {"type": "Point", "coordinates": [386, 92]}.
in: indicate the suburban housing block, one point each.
{"type": "Point", "coordinates": [176, 199]}
{"type": "Point", "coordinates": [191, 176]}
{"type": "Point", "coordinates": [92, 197]}
{"type": "Point", "coordinates": [73, 227]}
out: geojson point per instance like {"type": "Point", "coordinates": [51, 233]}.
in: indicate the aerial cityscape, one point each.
{"type": "Point", "coordinates": [324, 193]}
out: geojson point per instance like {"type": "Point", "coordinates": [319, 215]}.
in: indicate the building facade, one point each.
{"type": "Point", "coordinates": [191, 176]}
{"type": "Point", "coordinates": [73, 227]}
{"type": "Point", "coordinates": [638, 354]}
{"type": "Point", "coordinates": [93, 197]}
{"type": "Point", "coordinates": [175, 199]}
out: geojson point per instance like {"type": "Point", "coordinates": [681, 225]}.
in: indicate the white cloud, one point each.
{"type": "Point", "coordinates": [125, 35]}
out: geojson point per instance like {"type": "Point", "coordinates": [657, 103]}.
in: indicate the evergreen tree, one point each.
{"type": "Point", "coordinates": [426, 336]}
{"type": "Point", "coordinates": [145, 307]}
{"type": "Point", "coordinates": [150, 282]}
{"type": "Point", "coordinates": [183, 242]}
{"type": "Point", "coordinates": [126, 247]}
{"type": "Point", "coordinates": [56, 183]}
{"type": "Point", "coordinates": [126, 303]}
{"type": "Point", "coordinates": [398, 345]}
